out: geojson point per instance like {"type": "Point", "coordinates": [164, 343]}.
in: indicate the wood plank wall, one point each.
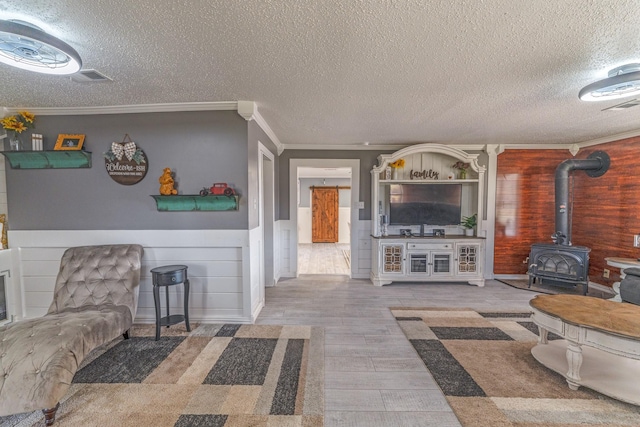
{"type": "Point", "coordinates": [605, 209]}
{"type": "Point", "coordinates": [524, 205]}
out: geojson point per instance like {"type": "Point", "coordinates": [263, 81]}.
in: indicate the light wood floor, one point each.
{"type": "Point", "coordinates": [373, 376]}
{"type": "Point", "coordinates": [324, 258]}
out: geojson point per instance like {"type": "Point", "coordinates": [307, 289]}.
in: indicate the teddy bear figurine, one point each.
{"type": "Point", "coordinates": [166, 183]}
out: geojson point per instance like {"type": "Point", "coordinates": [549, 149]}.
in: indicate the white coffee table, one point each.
{"type": "Point", "coordinates": [588, 356]}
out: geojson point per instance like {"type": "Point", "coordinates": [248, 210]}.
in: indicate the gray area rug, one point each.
{"type": "Point", "coordinates": [215, 376]}
{"type": "Point", "coordinates": [483, 364]}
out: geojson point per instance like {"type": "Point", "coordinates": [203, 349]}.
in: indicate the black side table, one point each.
{"type": "Point", "coordinates": [166, 276]}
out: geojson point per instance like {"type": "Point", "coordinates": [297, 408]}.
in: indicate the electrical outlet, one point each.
{"type": "Point", "coordinates": [636, 241]}
{"type": "Point", "coordinates": [605, 273]}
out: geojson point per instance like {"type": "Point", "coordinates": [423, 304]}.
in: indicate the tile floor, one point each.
{"type": "Point", "coordinates": [324, 258]}
{"type": "Point", "coordinates": [373, 376]}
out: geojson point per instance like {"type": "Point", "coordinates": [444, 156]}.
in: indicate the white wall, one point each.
{"type": "Point", "coordinates": [220, 269]}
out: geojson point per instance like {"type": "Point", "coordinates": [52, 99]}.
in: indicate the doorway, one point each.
{"type": "Point", "coordinates": [266, 184]}
{"type": "Point", "coordinates": [324, 218]}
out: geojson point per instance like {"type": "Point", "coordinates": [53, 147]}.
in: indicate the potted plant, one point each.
{"type": "Point", "coordinates": [469, 223]}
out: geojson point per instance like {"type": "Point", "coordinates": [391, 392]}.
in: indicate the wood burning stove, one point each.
{"type": "Point", "coordinates": [561, 263]}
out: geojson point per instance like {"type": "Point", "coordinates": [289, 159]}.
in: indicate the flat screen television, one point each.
{"type": "Point", "coordinates": [432, 204]}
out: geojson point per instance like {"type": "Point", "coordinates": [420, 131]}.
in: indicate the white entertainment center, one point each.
{"type": "Point", "coordinates": [406, 247]}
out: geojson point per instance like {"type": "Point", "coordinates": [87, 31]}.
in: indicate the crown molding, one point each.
{"type": "Point", "coordinates": [249, 111]}
{"type": "Point", "coordinates": [606, 139]}
{"type": "Point", "coordinates": [335, 147]}
{"type": "Point", "coordinates": [128, 109]}
{"type": "Point", "coordinates": [536, 147]}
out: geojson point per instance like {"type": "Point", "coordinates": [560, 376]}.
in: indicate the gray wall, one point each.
{"type": "Point", "coordinates": [368, 159]}
{"type": "Point", "coordinates": [201, 147]}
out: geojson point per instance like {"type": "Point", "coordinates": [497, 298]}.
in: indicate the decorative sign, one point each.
{"type": "Point", "coordinates": [126, 163]}
{"type": "Point", "coordinates": [430, 174]}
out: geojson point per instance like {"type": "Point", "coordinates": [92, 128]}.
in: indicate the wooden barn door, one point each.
{"type": "Point", "coordinates": [324, 214]}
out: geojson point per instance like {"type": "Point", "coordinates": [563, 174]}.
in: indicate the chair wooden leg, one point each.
{"type": "Point", "coordinates": [126, 334]}
{"type": "Point", "coordinates": [50, 415]}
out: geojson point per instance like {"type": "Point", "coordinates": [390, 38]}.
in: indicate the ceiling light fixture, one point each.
{"type": "Point", "coordinates": [26, 46]}
{"type": "Point", "coordinates": [622, 81]}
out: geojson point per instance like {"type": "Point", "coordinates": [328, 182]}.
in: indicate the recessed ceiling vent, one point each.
{"type": "Point", "coordinates": [624, 105]}
{"type": "Point", "coordinates": [90, 76]}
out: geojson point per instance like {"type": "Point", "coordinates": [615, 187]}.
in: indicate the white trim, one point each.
{"type": "Point", "coordinates": [152, 238]}
{"type": "Point", "coordinates": [380, 147]}
{"type": "Point", "coordinates": [249, 111]}
{"type": "Point", "coordinates": [335, 147]}
{"type": "Point", "coordinates": [128, 109]}
{"type": "Point", "coordinates": [607, 139]}
{"type": "Point", "coordinates": [536, 146]}
{"type": "Point", "coordinates": [491, 196]}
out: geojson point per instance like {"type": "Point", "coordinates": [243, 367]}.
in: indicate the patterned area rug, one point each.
{"type": "Point", "coordinates": [483, 364]}
{"type": "Point", "coordinates": [217, 375]}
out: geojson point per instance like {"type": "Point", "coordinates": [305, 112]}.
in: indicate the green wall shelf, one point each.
{"type": "Point", "coordinates": [196, 203]}
{"type": "Point", "coordinates": [63, 159]}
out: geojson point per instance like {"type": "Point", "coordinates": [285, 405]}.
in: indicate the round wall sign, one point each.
{"type": "Point", "coordinates": [126, 164]}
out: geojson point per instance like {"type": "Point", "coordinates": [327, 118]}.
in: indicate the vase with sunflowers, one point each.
{"type": "Point", "coordinates": [15, 125]}
{"type": "Point", "coordinates": [395, 166]}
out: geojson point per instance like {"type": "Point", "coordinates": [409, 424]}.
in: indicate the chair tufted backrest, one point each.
{"type": "Point", "coordinates": [93, 275]}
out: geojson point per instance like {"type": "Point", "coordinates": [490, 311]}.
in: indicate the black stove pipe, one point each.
{"type": "Point", "coordinates": [595, 165]}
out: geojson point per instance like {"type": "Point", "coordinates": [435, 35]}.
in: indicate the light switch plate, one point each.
{"type": "Point", "coordinates": [360, 205]}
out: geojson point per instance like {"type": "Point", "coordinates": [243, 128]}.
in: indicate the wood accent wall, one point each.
{"type": "Point", "coordinates": [606, 210]}
{"type": "Point", "coordinates": [524, 205]}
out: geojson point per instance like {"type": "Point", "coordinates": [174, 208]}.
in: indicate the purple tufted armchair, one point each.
{"type": "Point", "coordinates": [95, 299]}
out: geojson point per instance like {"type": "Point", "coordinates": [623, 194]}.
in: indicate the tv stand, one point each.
{"type": "Point", "coordinates": [453, 257]}
{"type": "Point", "coordinates": [427, 259]}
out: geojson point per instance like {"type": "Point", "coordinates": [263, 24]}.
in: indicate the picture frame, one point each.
{"type": "Point", "coordinates": [69, 142]}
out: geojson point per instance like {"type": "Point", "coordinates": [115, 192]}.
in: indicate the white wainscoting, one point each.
{"type": "Point", "coordinates": [277, 252]}
{"type": "Point", "coordinates": [361, 259]}
{"type": "Point", "coordinates": [220, 271]}
{"type": "Point", "coordinates": [288, 248]}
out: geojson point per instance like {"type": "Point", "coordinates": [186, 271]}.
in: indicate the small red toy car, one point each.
{"type": "Point", "coordinates": [220, 188]}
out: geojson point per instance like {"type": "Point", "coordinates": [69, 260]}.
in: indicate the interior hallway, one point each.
{"type": "Point", "coordinates": [373, 376]}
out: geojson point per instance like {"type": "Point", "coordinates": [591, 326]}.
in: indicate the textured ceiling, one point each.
{"type": "Point", "coordinates": [341, 72]}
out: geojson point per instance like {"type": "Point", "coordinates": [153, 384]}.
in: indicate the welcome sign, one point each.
{"type": "Point", "coordinates": [125, 162]}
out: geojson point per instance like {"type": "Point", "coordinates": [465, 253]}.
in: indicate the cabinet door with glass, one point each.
{"type": "Point", "coordinates": [468, 260]}
{"type": "Point", "coordinates": [441, 264]}
{"type": "Point", "coordinates": [392, 259]}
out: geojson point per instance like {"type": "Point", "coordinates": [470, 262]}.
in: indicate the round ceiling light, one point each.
{"type": "Point", "coordinates": [622, 81]}
{"type": "Point", "coordinates": [26, 46]}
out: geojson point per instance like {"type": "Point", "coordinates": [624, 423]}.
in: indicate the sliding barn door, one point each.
{"type": "Point", "coordinates": [324, 214]}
